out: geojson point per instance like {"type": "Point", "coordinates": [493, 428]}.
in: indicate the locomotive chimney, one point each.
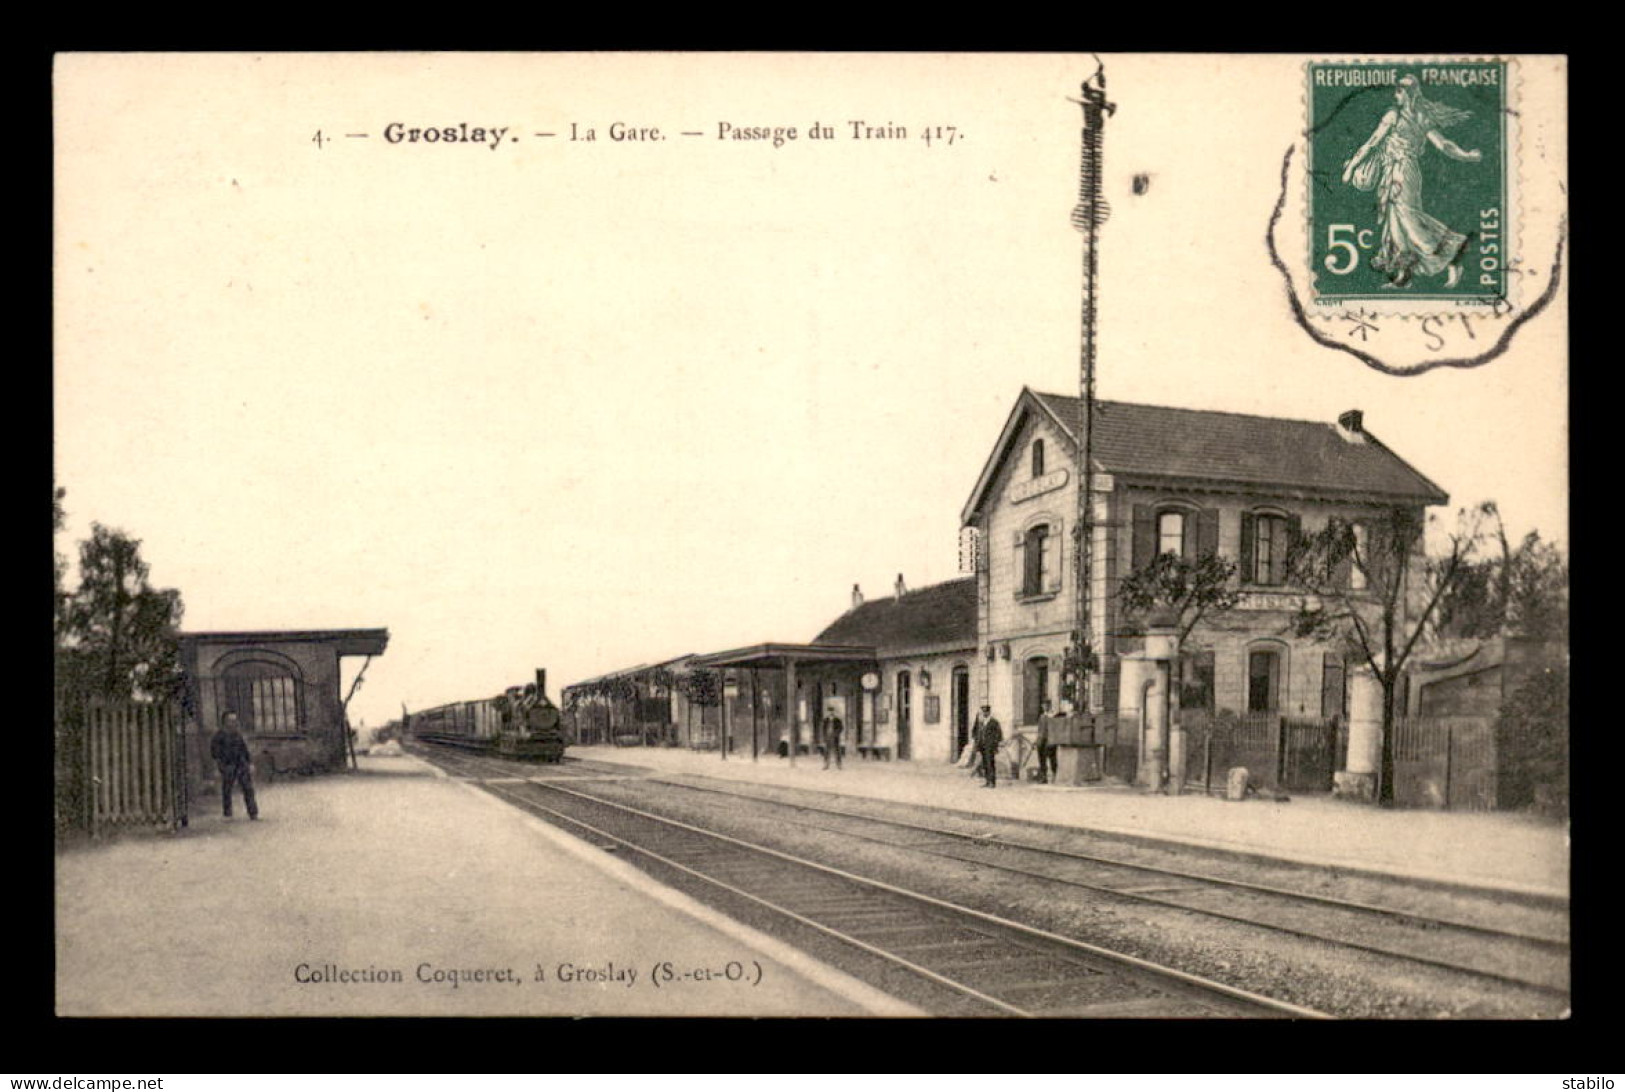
{"type": "Point", "coordinates": [541, 682]}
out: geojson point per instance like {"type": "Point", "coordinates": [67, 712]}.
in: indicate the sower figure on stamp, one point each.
{"type": "Point", "coordinates": [229, 750]}
{"type": "Point", "coordinates": [989, 734]}
{"type": "Point", "coordinates": [833, 727]}
{"type": "Point", "coordinates": [1390, 162]}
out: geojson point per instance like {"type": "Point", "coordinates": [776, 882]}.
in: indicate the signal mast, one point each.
{"type": "Point", "coordinates": [1090, 213]}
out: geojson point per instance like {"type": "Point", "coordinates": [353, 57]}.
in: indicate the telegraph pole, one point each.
{"type": "Point", "coordinates": [1090, 213]}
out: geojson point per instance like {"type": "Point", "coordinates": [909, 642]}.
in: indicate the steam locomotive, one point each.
{"type": "Point", "coordinates": [521, 722]}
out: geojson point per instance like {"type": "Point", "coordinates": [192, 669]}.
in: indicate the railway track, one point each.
{"type": "Point", "coordinates": [1489, 952]}
{"type": "Point", "coordinates": [981, 963]}
{"type": "Point", "coordinates": [1528, 960]}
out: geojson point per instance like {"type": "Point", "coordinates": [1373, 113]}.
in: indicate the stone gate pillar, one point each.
{"type": "Point", "coordinates": [1358, 779]}
{"type": "Point", "coordinates": [1162, 741]}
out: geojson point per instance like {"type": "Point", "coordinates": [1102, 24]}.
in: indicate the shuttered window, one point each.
{"type": "Point", "coordinates": [1182, 531]}
{"type": "Point", "coordinates": [1035, 688]}
{"type": "Point", "coordinates": [1171, 533]}
{"type": "Point", "coordinates": [1266, 540]}
{"type": "Point", "coordinates": [1038, 560]}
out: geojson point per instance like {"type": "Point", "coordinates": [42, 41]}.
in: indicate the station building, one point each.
{"type": "Point", "coordinates": [907, 671]}
{"type": "Point", "coordinates": [1184, 481]}
{"type": "Point", "coordinates": [284, 686]}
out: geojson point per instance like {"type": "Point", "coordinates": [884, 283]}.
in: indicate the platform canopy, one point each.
{"type": "Point", "coordinates": [782, 656]}
{"type": "Point", "coordinates": [346, 642]}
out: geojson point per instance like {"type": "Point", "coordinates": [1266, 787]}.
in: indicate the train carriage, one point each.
{"type": "Point", "coordinates": [522, 722]}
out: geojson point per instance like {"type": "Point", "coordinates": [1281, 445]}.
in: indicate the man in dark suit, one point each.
{"type": "Point", "coordinates": [229, 750]}
{"type": "Point", "coordinates": [833, 727]}
{"type": "Point", "coordinates": [989, 734]}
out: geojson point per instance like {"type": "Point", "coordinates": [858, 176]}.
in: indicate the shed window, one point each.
{"type": "Point", "coordinates": [265, 697]}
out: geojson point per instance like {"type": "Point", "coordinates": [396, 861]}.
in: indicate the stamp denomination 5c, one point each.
{"type": "Point", "coordinates": [1411, 192]}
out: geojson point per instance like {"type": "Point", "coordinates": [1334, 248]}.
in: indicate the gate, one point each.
{"type": "Point", "coordinates": [1308, 755]}
{"type": "Point", "coordinates": [1279, 752]}
{"type": "Point", "coordinates": [1253, 741]}
{"type": "Point", "coordinates": [1445, 762]}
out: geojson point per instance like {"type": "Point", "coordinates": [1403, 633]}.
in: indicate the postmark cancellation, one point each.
{"type": "Point", "coordinates": [1422, 215]}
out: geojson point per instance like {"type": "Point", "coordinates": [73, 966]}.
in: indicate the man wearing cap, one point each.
{"type": "Point", "coordinates": [989, 734]}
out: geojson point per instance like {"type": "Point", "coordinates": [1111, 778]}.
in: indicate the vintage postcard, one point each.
{"type": "Point", "coordinates": [862, 535]}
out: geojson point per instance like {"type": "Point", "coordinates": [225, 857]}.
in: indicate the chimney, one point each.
{"type": "Point", "coordinates": [857, 597]}
{"type": "Point", "coordinates": [541, 682]}
{"type": "Point", "coordinates": [1352, 421]}
{"type": "Point", "coordinates": [901, 587]}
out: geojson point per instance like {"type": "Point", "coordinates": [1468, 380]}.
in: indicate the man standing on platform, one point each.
{"type": "Point", "coordinates": [989, 734]}
{"type": "Point", "coordinates": [833, 727]}
{"type": "Point", "coordinates": [229, 750]}
{"type": "Point", "coordinates": [1050, 727]}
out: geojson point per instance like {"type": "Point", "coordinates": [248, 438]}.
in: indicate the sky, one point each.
{"type": "Point", "coordinates": [579, 405]}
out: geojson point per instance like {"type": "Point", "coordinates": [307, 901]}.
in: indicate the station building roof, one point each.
{"type": "Point", "coordinates": [1263, 454]}
{"type": "Point", "coordinates": [937, 616]}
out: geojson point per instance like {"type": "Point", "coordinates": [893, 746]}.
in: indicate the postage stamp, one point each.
{"type": "Point", "coordinates": [1411, 184]}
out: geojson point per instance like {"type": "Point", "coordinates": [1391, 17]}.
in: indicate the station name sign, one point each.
{"type": "Point", "coordinates": [1037, 487]}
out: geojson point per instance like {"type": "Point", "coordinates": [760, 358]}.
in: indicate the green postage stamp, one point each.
{"type": "Point", "coordinates": [1410, 186]}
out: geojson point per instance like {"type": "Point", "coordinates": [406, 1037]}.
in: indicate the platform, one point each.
{"type": "Point", "coordinates": [396, 891]}
{"type": "Point", "coordinates": [1497, 850]}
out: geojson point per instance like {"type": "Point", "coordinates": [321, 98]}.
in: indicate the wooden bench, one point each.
{"type": "Point", "coordinates": [866, 751]}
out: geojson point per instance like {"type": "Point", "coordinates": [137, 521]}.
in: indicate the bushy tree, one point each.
{"type": "Point", "coordinates": [1372, 586]}
{"type": "Point", "coordinates": [1532, 738]}
{"type": "Point", "coordinates": [118, 634]}
{"type": "Point", "coordinates": [1522, 590]}
{"type": "Point", "coordinates": [1190, 589]}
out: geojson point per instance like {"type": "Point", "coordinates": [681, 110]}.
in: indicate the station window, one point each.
{"type": "Point", "coordinates": [1362, 557]}
{"type": "Point", "coordinates": [1269, 549]}
{"type": "Point", "coordinates": [1263, 680]}
{"type": "Point", "coordinates": [1171, 533]}
{"type": "Point", "coordinates": [1038, 561]}
{"type": "Point", "coordinates": [1038, 458]}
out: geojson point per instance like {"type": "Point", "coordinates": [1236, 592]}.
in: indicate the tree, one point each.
{"type": "Point", "coordinates": [1185, 590]}
{"type": "Point", "coordinates": [1532, 738]}
{"type": "Point", "coordinates": [1523, 591]}
{"type": "Point", "coordinates": [1188, 589]}
{"type": "Point", "coordinates": [119, 638]}
{"type": "Point", "coordinates": [1360, 579]}
{"type": "Point", "coordinates": [59, 596]}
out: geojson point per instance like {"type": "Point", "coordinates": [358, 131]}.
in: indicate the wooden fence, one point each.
{"type": "Point", "coordinates": [119, 765]}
